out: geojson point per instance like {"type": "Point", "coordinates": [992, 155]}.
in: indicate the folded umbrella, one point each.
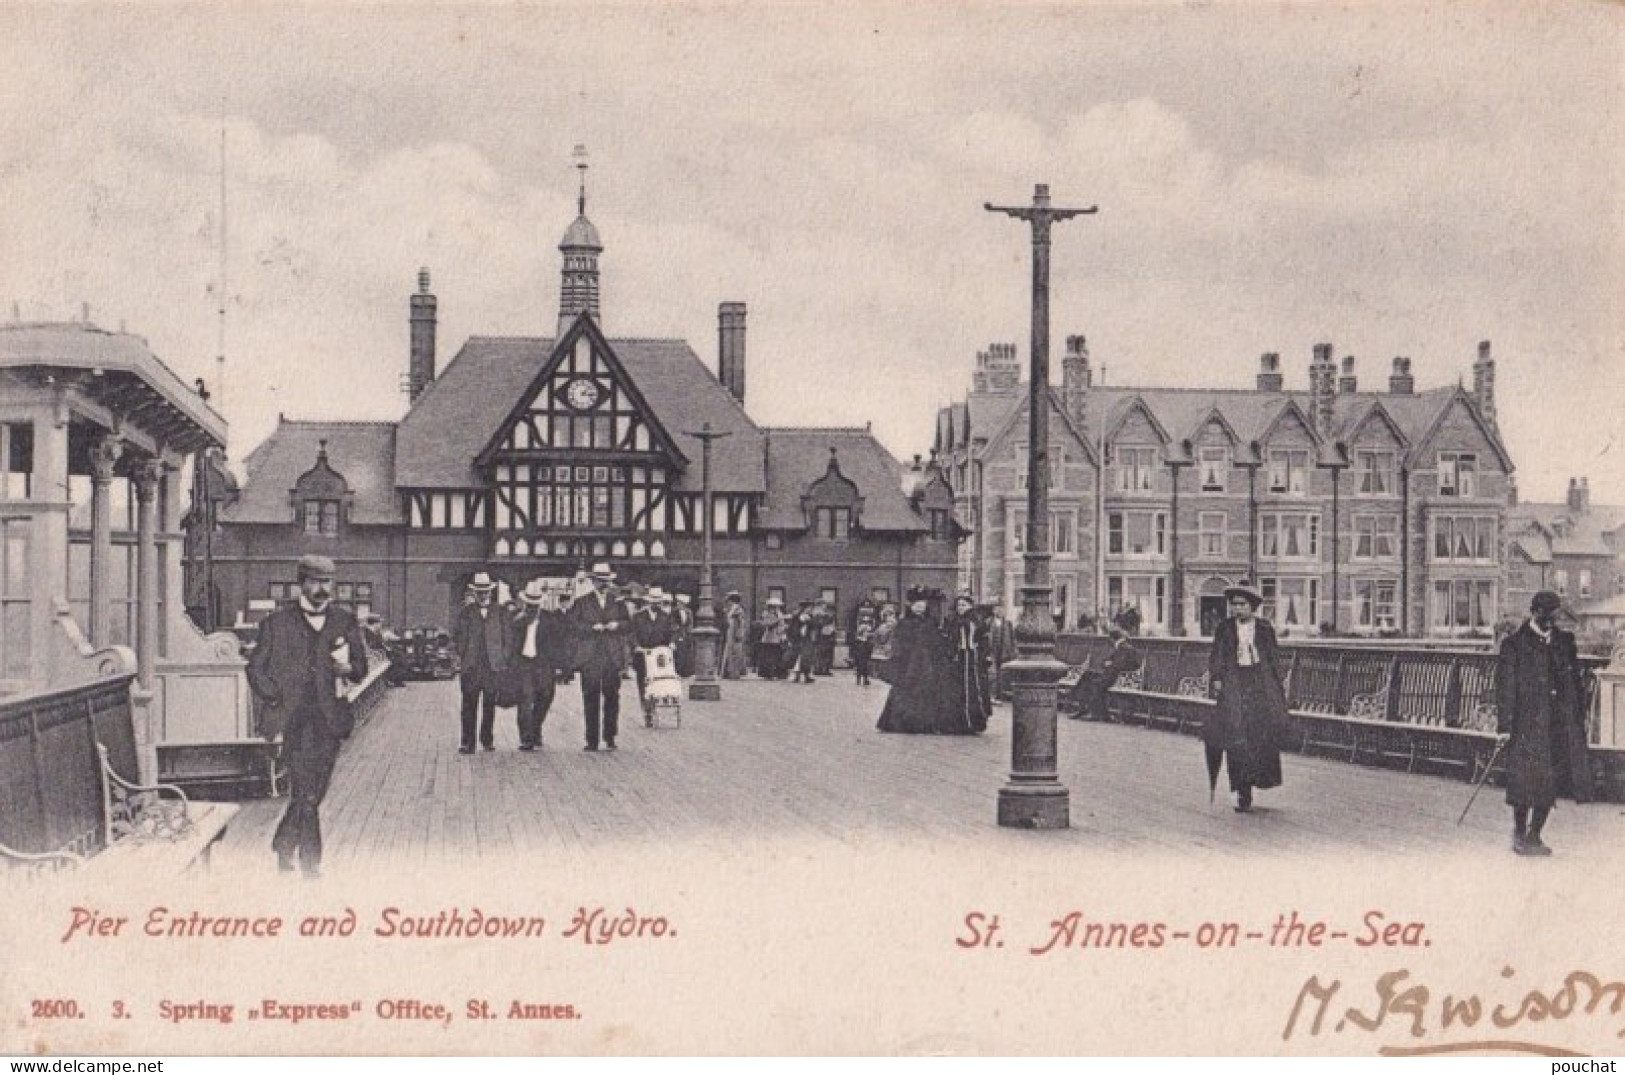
{"type": "Point", "coordinates": [1215, 759]}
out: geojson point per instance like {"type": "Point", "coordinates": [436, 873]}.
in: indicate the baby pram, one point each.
{"type": "Point", "coordinates": [662, 687]}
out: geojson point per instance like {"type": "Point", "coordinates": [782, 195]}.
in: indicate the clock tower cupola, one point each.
{"type": "Point", "coordinates": [578, 290]}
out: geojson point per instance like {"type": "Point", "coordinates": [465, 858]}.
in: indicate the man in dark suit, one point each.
{"type": "Point", "coordinates": [1540, 710]}
{"type": "Point", "coordinates": [600, 622]}
{"type": "Point", "coordinates": [541, 649]}
{"type": "Point", "coordinates": [306, 651]}
{"type": "Point", "coordinates": [1092, 688]}
{"type": "Point", "coordinates": [482, 638]}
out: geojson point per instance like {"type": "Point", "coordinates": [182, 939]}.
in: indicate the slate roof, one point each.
{"type": "Point", "coordinates": [457, 414]}
{"type": "Point", "coordinates": [1250, 413]}
{"type": "Point", "coordinates": [1569, 532]}
{"type": "Point", "coordinates": [798, 457]}
{"type": "Point", "coordinates": [362, 452]}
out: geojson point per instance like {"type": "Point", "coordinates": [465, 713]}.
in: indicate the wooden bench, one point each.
{"type": "Point", "coordinates": [141, 830]}
{"type": "Point", "coordinates": [1421, 743]}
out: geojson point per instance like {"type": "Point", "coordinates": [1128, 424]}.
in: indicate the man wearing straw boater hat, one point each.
{"type": "Point", "coordinates": [482, 638]}
{"type": "Point", "coordinates": [308, 650]}
{"type": "Point", "coordinates": [541, 651]}
{"type": "Point", "coordinates": [1541, 714]}
{"type": "Point", "coordinates": [600, 622]}
{"type": "Point", "coordinates": [652, 627]}
{"type": "Point", "coordinates": [1250, 717]}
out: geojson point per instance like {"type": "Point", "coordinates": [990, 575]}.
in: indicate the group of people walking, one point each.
{"type": "Point", "coordinates": [515, 656]}
{"type": "Point", "coordinates": [943, 671]}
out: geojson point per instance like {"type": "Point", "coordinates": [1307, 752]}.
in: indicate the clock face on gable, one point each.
{"type": "Point", "coordinates": [583, 393]}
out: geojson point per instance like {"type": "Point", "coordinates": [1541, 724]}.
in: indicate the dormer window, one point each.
{"type": "Point", "coordinates": [321, 497]}
{"type": "Point", "coordinates": [833, 523]}
{"type": "Point", "coordinates": [1456, 473]}
{"type": "Point", "coordinates": [1215, 468]}
{"type": "Point", "coordinates": [832, 504]}
{"type": "Point", "coordinates": [322, 517]}
{"type": "Point", "coordinates": [942, 524]}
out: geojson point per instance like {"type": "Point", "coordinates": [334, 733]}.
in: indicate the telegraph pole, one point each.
{"type": "Point", "coordinates": [1034, 797]}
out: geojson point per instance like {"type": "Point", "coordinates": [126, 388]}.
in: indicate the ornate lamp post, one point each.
{"type": "Point", "coordinates": [1034, 797]}
{"type": "Point", "coordinates": [706, 687]}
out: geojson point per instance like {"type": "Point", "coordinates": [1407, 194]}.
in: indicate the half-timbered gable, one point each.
{"type": "Point", "coordinates": [539, 456]}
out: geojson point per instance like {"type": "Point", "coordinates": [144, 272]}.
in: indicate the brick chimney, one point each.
{"type": "Point", "coordinates": [1269, 372]}
{"type": "Point", "coordinates": [731, 348]}
{"type": "Point", "coordinates": [998, 370]}
{"type": "Point", "coordinates": [1322, 385]}
{"type": "Point", "coordinates": [1346, 384]}
{"type": "Point", "coordinates": [1484, 383]}
{"type": "Point", "coordinates": [1400, 382]}
{"type": "Point", "coordinates": [1574, 502]}
{"type": "Point", "coordinates": [420, 367]}
{"type": "Point", "coordinates": [1076, 379]}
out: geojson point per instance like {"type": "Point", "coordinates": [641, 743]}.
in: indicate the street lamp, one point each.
{"type": "Point", "coordinates": [1034, 797]}
{"type": "Point", "coordinates": [706, 687]}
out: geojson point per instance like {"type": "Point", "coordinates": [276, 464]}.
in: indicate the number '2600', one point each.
{"type": "Point", "coordinates": [56, 1009]}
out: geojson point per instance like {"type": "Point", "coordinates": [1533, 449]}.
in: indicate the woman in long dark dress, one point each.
{"type": "Point", "coordinates": [915, 702]}
{"type": "Point", "coordinates": [964, 689]}
{"type": "Point", "coordinates": [1244, 671]}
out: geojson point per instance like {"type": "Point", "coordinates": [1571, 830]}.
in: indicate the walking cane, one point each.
{"type": "Point", "coordinates": [1478, 787]}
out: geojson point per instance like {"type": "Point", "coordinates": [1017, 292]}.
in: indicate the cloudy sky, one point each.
{"type": "Point", "coordinates": [1394, 180]}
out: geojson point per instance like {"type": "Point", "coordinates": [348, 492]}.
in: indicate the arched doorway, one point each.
{"type": "Point", "coordinates": [1210, 607]}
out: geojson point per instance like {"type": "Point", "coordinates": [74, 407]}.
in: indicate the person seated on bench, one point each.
{"type": "Point", "coordinates": [1090, 693]}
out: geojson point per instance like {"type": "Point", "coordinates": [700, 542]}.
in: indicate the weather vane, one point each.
{"type": "Point", "coordinates": [579, 155]}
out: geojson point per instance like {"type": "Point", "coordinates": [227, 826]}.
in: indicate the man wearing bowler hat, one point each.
{"type": "Point", "coordinates": [600, 622]}
{"type": "Point", "coordinates": [482, 638]}
{"type": "Point", "coordinates": [306, 652]}
{"type": "Point", "coordinates": [1540, 713]}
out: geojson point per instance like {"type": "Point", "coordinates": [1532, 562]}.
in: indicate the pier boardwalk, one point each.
{"type": "Point", "coordinates": [785, 762]}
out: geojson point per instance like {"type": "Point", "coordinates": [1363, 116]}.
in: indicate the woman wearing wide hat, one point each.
{"type": "Point", "coordinates": [1250, 717]}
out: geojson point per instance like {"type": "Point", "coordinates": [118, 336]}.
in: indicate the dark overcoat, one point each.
{"type": "Point", "coordinates": [1250, 715]}
{"type": "Point", "coordinates": [292, 675]}
{"type": "Point", "coordinates": [555, 646]}
{"type": "Point", "coordinates": [497, 632]}
{"type": "Point", "coordinates": [1540, 703]}
{"type": "Point", "coordinates": [600, 652]}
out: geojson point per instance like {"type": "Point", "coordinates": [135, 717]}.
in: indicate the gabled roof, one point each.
{"type": "Point", "coordinates": [1249, 413]}
{"type": "Point", "coordinates": [796, 458]}
{"type": "Point", "coordinates": [583, 326]}
{"type": "Point", "coordinates": [1453, 397]}
{"type": "Point", "coordinates": [1291, 410]}
{"type": "Point", "coordinates": [1569, 532]}
{"type": "Point", "coordinates": [1360, 417]}
{"type": "Point", "coordinates": [1128, 407]}
{"type": "Point", "coordinates": [363, 453]}
{"type": "Point", "coordinates": [1213, 415]}
{"type": "Point", "coordinates": [458, 412]}
{"type": "Point", "coordinates": [1013, 414]}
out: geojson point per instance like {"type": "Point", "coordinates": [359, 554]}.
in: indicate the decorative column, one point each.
{"type": "Point", "coordinates": [1034, 797]}
{"type": "Point", "coordinates": [48, 535]}
{"type": "Point", "coordinates": [706, 686]}
{"type": "Point", "coordinates": [104, 456]}
{"type": "Point", "coordinates": [147, 475]}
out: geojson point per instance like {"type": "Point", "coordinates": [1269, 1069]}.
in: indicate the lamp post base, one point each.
{"type": "Point", "coordinates": [705, 686]}
{"type": "Point", "coordinates": [1034, 807]}
{"type": "Point", "coordinates": [1034, 797]}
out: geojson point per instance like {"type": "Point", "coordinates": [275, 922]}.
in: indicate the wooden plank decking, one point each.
{"type": "Point", "coordinates": [776, 762]}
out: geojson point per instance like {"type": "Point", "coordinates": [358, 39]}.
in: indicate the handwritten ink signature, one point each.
{"type": "Point", "coordinates": [1399, 1003]}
